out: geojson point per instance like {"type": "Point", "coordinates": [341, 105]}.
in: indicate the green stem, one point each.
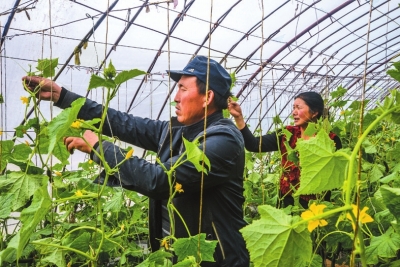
{"type": "Point", "coordinates": [353, 156]}
{"type": "Point", "coordinates": [65, 248]}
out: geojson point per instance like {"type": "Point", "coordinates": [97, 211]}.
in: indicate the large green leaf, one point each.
{"type": "Point", "coordinates": [31, 216]}
{"type": "Point", "coordinates": [115, 203]}
{"type": "Point", "coordinates": [155, 259]}
{"type": "Point", "coordinates": [5, 205]}
{"type": "Point", "coordinates": [322, 168]}
{"type": "Point", "coordinates": [60, 124]}
{"type": "Point", "coordinates": [5, 153]}
{"type": "Point", "coordinates": [97, 81]}
{"type": "Point", "coordinates": [276, 239]}
{"type": "Point", "coordinates": [57, 257]}
{"type": "Point", "coordinates": [47, 67]}
{"type": "Point", "coordinates": [391, 197]}
{"type": "Point", "coordinates": [22, 186]}
{"type": "Point", "coordinates": [196, 156]}
{"type": "Point", "coordinates": [383, 247]}
{"type": "Point", "coordinates": [126, 75]}
{"type": "Point", "coordinates": [80, 242]}
{"type": "Point", "coordinates": [21, 151]}
{"type": "Point", "coordinates": [185, 247]}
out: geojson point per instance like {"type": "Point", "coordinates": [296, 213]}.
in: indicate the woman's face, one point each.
{"type": "Point", "coordinates": [302, 113]}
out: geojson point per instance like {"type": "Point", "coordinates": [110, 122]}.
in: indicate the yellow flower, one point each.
{"type": "Point", "coordinates": [58, 173]}
{"type": "Point", "coordinates": [129, 154]}
{"type": "Point", "coordinates": [76, 124]}
{"type": "Point", "coordinates": [178, 188]}
{"type": "Point", "coordinates": [314, 210]}
{"type": "Point", "coordinates": [164, 243]}
{"type": "Point", "coordinates": [363, 218]}
{"type": "Point", "coordinates": [1, 131]}
{"type": "Point", "coordinates": [342, 112]}
{"type": "Point", "coordinates": [78, 193]}
{"type": "Point", "coordinates": [122, 227]}
{"type": "Point", "coordinates": [24, 100]}
{"type": "Point", "coordinates": [90, 161]}
{"type": "Point", "coordinates": [393, 139]}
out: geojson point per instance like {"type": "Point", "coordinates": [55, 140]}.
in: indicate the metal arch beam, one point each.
{"type": "Point", "coordinates": [80, 45]}
{"type": "Point", "coordinates": [171, 30]}
{"type": "Point", "coordinates": [329, 14]}
{"type": "Point", "coordinates": [252, 29]}
{"type": "Point", "coordinates": [332, 44]}
{"type": "Point", "coordinates": [219, 21]}
{"type": "Point", "coordinates": [270, 37]}
{"type": "Point", "coordinates": [122, 34]}
{"type": "Point", "coordinates": [8, 23]}
{"type": "Point", "coordinates": [348, 85]}
{"type": "Point", "coordinates": [299, 73]}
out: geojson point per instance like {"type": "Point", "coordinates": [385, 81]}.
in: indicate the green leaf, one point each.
{"type": "Point", "coordinates": [47, 67]}
{"type": "Point", "coordinates": [5, 205]}
{"type": "Point", "coordinates": [97, 81]}
{"type": "Point", "coordinates": [185, 247]}
{"type": "Point", "coordinates": [22, 186]}
{"type": "Point", "coordinates": [395, 74]}
{"type": "Point", "coordinates": [322, 168]}
{"type": "Point", "coordinates": [254, 177]}
{"type": "Point", "coordinates": [196, 156]}
{"type": "Point", "coordinates": [61, 124]}
{"type": "Point", "coordinates": [311, 129]}
{"type": "Point", "coordinates": [276, 239]}
{"type": "Point", "coordinates": [27, 167]}
{"type": "Point", "coordinates": [31, 216]}
{"type": "Point", "coordinates": [57, 257]}
{"type": "Point", "coordinates": [5, 152]}
{"type": "Point", "coordinates": [158, 257]}
{"type": "Point", "coordinates": [376, 172]}
{"type": "Point", "coordinates": [115, 203]}
{"type": "Point", "coordinates": [61, 152]}
{"type": "Point", "coordinates": [340, 91]}
{"type": "Point", "coordinates": [126, 75]}
{"type": "Point", "coordinates": [80, 242]}
{"type": "Point", "coordinates": [110, 72]}
{"type": "Point", "coordinates": [391, 197]}
{"type": "Point", "coordinates": [188, 262]}
{"type": "Point", "coordinates": [21, 152]}
{"type": "Point", "coordinates": [383, 247]}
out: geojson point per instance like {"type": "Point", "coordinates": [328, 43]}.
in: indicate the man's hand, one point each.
{"type": "Point", "coordinates": [45, 89]}
{"type": "Point", "coordinates": [84, 144]}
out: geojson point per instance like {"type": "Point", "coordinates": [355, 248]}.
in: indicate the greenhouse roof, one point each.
{"type": "Point", "coordinates": [275, 48]}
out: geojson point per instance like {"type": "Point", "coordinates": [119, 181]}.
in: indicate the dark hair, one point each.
{"type": "Point", "coordinates": [314, 101]}
{"type": "Point", "coordinates": [220, 102]}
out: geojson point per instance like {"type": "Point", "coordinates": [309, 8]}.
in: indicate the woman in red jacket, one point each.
{"type": "Point", "coordinates": [307, 107]}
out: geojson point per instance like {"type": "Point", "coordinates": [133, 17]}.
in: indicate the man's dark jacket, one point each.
{"type": "Point", "coordinates": [222, 199]}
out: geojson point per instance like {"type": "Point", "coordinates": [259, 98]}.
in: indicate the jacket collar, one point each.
{"type": "Point", "coordinates": [191, 131]}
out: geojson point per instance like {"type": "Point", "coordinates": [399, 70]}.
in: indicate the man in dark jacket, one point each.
{"type": "Point", "coordinates": [221, 187]}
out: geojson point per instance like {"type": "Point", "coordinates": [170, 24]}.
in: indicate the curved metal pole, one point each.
{"type": "Point", "coordinates": [286, 45]}
{"type": "Point", "coordinates": [122, 34]}
{"type": "Point", "coordinates": [171, 30]}
{"type": "Point", "coordinates": [80, 45]}
{"type": "Point", "coordinates": [8, 23]}
{"type": "Point", "coordinates": [219, 21]}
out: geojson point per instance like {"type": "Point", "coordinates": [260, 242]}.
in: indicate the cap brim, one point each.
{"type": "Point", "coordinates": [177, 74]}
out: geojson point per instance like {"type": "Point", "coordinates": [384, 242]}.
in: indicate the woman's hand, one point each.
{"type": "Point", "coordinates": [45, 89]}
{"type": "Point", "coordinates": [236, 111]}
{"type": "Point", "coordinates": [83, 144]}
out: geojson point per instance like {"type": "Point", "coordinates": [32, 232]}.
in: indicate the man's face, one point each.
{"type": "Point", "coordinates": [189, 103]}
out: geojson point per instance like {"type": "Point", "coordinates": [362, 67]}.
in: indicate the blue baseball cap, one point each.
{"type": "Point", "coordinates": [219, 79]}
